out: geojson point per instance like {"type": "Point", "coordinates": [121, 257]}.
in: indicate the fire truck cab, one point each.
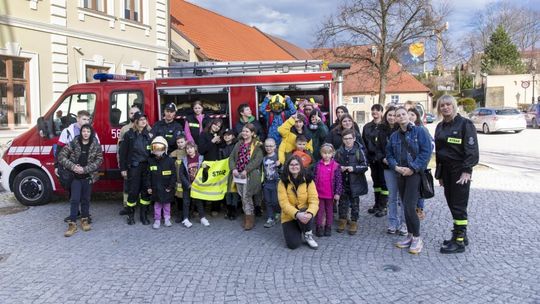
{"type": "Point", "coordinates": [27, 164]}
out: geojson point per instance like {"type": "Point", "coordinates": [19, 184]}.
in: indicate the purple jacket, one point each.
{"type": "Point", "coordinates": [337, 183]}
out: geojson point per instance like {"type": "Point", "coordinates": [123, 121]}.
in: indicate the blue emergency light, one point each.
{"type": "Point", "coordinates": [106, 76]}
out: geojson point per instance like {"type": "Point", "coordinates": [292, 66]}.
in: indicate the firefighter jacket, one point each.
{"type": "Point", "coordinates": [169, 131]}
{"type": "Point", "coordinates": [288, 133]}
{"type": "Point", "coordinates": [134, 148]}
{"type": "Point", "coordinates": [193, 127]}
{"type": "Point", "coordinates": [370, 136]}
{"type": "Point", "coordinates": [355, 181]}
{"type": "Point", "coordinates": [414, 154]}
{"type": "Point", "coordinates": [161, 179]}
{"type": "Point", "coordinates": [456, 144]}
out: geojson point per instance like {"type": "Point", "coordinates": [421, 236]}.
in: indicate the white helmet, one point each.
{"type": "Point", "coordinates": [159, 145]}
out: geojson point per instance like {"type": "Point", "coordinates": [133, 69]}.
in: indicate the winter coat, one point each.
{"type": "Point", "coordinates": [357, 159]}
{"type": "Point", "coordinates": [292, 199]}
{"type": "Point", "coordinates": [337, 182]}
{"type": "Point", "coordinates": [162, 178]}
{"type": "Point", "coordinates": [184, 174]}
{"type": "Point", "coordinates": [382, 141]}
{"type": "Point", "coordinates": [253, 168]}
{"type": "Point", "coordinates": [419, 143]}
{"type": "Point", "coordinates": [226, 150]}
{"type": "Point", "coordinates": [288, 133]}
{"type": "Point", "coordinates": [193, 128]}
{"type": "Point", "coordinates": [207, 148]}
{"type": "Point", "coordinates": [276, 118]}
{"type": "Point", "coordinates": [169, 131]}
{"type": "Point", "coordinates": [317, 139]}
{"type": "Point", "coordinates": [69, 156]}
{"type": "Point", "coordinates": [335, 138]}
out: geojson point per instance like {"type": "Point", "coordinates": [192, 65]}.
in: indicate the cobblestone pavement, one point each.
{"type": "Point", "coordinates": [117, 263]}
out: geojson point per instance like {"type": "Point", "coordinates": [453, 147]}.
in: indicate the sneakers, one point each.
{"type": "Point", "coordinates": [277, 217]}
{"type": "Point", "coordinates": [308, 238]}
{"type": "Point", "coordinates": [85, 225]}
{"type": "Point", "coordinates": [187, 223]}
{"type": "Point", "coordinates": [381, 212]}
{"type": "Point", "coordinates": [403, 230]}
{"type": "Point", "coordinates": [405, 243]}
{"type": "Point", "coordinates": [156, 225]}
{"type": "Point", "coordinates": [205, 222]}
{"type": "Point", "coordinates": [416, 245]}
{"type": "Point", "coordinates": [421, 214]}
{"type": "Point", "coordinates": [167, 223]}
{"type": "Point", "coordinates": [391, 230]}
{"type": "Point", "coordinates": [269, 223]}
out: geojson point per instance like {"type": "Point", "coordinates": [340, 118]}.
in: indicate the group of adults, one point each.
{"type": "Point", "coordinates": [398, 152]}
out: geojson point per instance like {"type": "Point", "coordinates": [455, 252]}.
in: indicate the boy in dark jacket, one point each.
{"type": "Point", "coordinates": [351, 157]}
{"type": "Point", "coordinates": [161, 182]}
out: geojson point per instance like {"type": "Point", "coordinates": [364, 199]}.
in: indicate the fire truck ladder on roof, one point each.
{"type": "Point", "coordinates": [215, 68]}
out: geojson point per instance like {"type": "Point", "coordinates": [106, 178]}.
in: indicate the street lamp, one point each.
{"type": "Point", "coordinates": [533, 74]}
{"type": "Point", "coordinates": [484, 85]}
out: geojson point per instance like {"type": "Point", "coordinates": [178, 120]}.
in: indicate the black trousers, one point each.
{"type": "Point", "coordinates": [379, 183]}
{"type": "Point", "coordinates": [80, 192]}
{"type": "Point", "coordinates": [409, 192]}
{"type": "Point", "coordinates": [457, 196]}
{"type": "Point", "coordinates": [293, 230]}
{"type": "Point", "coordinates": [136, 176]}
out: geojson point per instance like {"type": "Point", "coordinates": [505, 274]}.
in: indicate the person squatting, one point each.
{"type": "Point", "coordinates": [291, 162]}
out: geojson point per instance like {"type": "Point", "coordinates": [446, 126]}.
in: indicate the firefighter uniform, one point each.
{"type": "Point", "coordinates": [195, 128]}
{"type": "Point", "coordinates": [134, 153]}
{"type": "Point", "coordinates": [169, 131]}
{"type": "Point", "coordinates": [456, 153]}
{"type": "Point", "coordinates": [370, 135]}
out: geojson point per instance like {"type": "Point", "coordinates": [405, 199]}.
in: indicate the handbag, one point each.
{"type": "Point", "coordinates": [427, 186]}
{"type": "Point", "coordinates": [65, 177]}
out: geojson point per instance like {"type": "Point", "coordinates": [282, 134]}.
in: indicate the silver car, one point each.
{"type": "Point", "coordinates": [501, 119]}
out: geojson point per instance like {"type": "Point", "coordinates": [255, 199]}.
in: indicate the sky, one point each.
{"type": "Point", "coordinates": [297, 21]}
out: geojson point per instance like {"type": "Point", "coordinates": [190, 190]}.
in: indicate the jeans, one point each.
{"type": "Point", "coordinates": [187, 203]}
{"type": "Point", "coordinates": [420, 203]}
{"type": "Point", "coordinates": [293, 230]}
{"type": "Point", "coordinates": [396, 216]}
{"type": "Point", "coordinates": [81, 190]}
{"type": "Point", "coordinates": [271, 199]}
{"type": "Point", "coordinates": [166, 207]}
{"type": "Point", "coordinates": [231, 198]}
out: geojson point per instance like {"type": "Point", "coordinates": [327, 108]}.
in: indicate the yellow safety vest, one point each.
{"type": "Point", "coordinates": [215, 187]}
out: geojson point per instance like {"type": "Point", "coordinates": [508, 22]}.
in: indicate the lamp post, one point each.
{"type": "Point", "coordinates": [533, 74]}
{"type": "Point", "coordinates": [484, 85]}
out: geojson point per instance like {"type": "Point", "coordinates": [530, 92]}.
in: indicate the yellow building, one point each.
{"type": "Point", "coordinates": [47, 45]}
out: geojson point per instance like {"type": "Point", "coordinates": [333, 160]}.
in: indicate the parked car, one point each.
{"type": "Point", "coordinates": [430, 118]}
{"type": "Point", "coordinates": [532, 115]}
{"type": "Point", "coordinates": [501, 119]}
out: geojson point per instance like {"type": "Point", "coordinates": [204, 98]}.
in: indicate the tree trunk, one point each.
{"type": "Point", "coordinates": [382, 88]}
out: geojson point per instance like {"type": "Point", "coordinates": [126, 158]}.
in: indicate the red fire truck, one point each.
{"type": "Point", "coordinates": [27, 165]}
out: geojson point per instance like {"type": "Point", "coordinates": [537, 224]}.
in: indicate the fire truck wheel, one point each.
{"type": "Point", "coordinates": [32, 187]}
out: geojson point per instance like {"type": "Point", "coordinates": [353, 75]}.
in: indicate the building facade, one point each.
{"type": "Point", "coordinates": [47, 45]}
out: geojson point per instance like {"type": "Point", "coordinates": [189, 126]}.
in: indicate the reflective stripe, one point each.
{"type": "Point", "coordinates": [144, 202]}
{"type": "Point", "coordinates": [453, 140]}
{"type": "Point", "coordinates": [385, 192]}
{"type": "Point", "coordinates": [459, 239]}
{"type": "Point", "coordinates": [130, 204]}
{"type": "Point", "coordinates": [166, 172]}
{"type": "Point", "coordinates": [148, 147]}
{"type": "Point", "coordinates": [153, 168]}
{"type": "Point", "coordinates": [178, 161]}
{"type": "Point", "coordinates": [193, 125]}
{"type": "Point", "coordinates": [460, 222]}
{"type": "Point", "coordinates": [168, 135]}
{"type": "Point", "coordinates": [377, 189]}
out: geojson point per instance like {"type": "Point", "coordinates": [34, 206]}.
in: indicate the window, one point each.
{"type": "Point", "coordinates": [394, 99]}
{"type": "Point", "coordinates": [14, 89]}
{"type": "Point", "coordinates": [97, 5]}
{"type": "Point", "coordinates": [360, 117]}
{"type": "Point", "coordinates": [121, 102]}
{"type": "Point", "coordinates": [132, 10]}
{"type": "Point", "coordinates": [138, 74]}
{"type": "Point", "coordinates": [358, 99]}
{"type": "Point", "coordinates": [91, 70]}
{"type": "Point", "coordinates": [66, 113]}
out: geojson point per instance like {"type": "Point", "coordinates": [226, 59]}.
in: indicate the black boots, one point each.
{"type": "Point", "coordinates": [124, 211]}
{"type": "Point", "coordinates": [144, 214]}
{"type": "Point", "coordinates": [383, 202]}
{"type": "Point", "coordinates": [231, 213]}
{"type": "Point", "coordinates": [131, 216]}
{"type": "Point", "coordinates": [457, 243]}
{"type": "Point", "coordinates": [375, 207]}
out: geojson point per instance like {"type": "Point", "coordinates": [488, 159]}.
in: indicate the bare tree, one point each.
{"type": "Point", "coordinates": [385, 25]}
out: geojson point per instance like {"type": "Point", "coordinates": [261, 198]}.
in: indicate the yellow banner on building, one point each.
{"type": "Point", "coordinates": [210, 184]}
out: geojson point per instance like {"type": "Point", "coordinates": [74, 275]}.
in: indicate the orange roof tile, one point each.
{"type": "Point", "coordinates": [297, 52]}
{"type": "Point", "coordinates": [363, 78]}
{"type": "Point", "coordinates": [220, 38]}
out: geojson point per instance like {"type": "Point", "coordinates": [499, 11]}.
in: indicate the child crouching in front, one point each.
{"type": "Point", "coordinates": [190, 166]}
{"type": "Point", "coordinates": [327, 177]}
{"type": "Point", "coordinates": [352, 158]}
{"type": "Point", "coordinates": [161, 181]}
